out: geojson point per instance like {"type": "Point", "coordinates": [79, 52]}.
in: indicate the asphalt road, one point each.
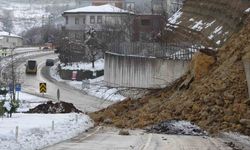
{"type": "Point", "coordinates": [107, 138]}
{"type": "Point", "coordinates": [30, 84]}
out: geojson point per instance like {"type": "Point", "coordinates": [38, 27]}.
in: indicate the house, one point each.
{"type": "Point", "coordinates": [9, 40]}
{"type": "Point", "coordinates": [101, 18]}
{"type": "Point", "coordinates": [147, 27]}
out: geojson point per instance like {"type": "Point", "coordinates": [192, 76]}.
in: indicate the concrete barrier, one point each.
{"type": "Point", "coordinates": [141, 72]}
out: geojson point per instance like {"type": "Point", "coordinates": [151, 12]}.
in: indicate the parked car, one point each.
{"type": "Point", "coordinates": [56, 51]}
{"type": "Point", "coordinates": [45, 48]}
{"type": "Point", "coordinates": [31, 67]}
{"type": "Point", "coordinates": [49, 62]}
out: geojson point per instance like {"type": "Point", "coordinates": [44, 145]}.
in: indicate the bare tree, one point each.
{"type": "Point", "coordinates": [94, 47]}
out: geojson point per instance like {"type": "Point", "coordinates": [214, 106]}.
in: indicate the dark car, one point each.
{"type": "Point", "coordinates": [31, 67]}
{"type": "Point", "coordinates": [49, 62]}
{"type": "Point", "coordinates": [56, 51]}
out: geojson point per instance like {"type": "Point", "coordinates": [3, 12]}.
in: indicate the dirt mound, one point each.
{"type": "Point", "coordinates": [216, 101]}
{"type": "Point", "coordinates": [177, 128]}
{"type": "Point", "coordinates": [52, 108]}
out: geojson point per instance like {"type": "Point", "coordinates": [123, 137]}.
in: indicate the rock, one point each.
{"type": "Point", "coordinates": [247, 102]}
{"type": "Point", "coordinates": [107, 121]}
{"type": "Point", "coordinates": [228, 96]}
{"type": "Point", "coordinates": [219, 102]}
{"type": "Point", "coordinates": [245, 122]}
{"type": "Point", "coordinates": [124, 132]}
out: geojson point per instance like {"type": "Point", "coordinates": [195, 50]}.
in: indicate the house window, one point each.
{"type": "Point", "coordinates": [7, 40]}
{"type": "Point", "coordinates": [67, 19]}
{"type": "Point", "coordinates": [92, 19]}
{"type": "Point", "coordinates": [99, 19]}
{"type": "Point", "coordinates": [83, 20]}
{"type": "Point", "coordinates": [76, 20]}
{"type": "Point", "coordinates": [145, 22]}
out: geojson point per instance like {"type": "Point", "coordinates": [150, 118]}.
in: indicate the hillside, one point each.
{"type": "Point", "coordinates": [26, 14]}
{"type": "Point", "coordinates": [213, 93]}
{"type": "Point", "coordinates": [207, 22]}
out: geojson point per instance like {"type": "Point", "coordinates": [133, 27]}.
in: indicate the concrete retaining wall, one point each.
{"type": "Point", "coordinates": [141, 72]}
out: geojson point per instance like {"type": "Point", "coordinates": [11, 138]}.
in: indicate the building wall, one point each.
{"type": "Point", "coordinates": [107, 19]}
{"type": "Point", "coordinates": [146, 27]}
{"type": "Point", "coordinates": [141, 72]}
{"type": "Point", "coordinates": [10, 42]}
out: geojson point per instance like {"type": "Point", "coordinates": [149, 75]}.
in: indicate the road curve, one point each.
{"type": "Point", "coordinates": [107, 138]}
{"type": "Point", "coordinates": [30, 84]}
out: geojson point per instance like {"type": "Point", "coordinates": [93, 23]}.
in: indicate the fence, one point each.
{"type": "Point", "coordinates": [183, 51]}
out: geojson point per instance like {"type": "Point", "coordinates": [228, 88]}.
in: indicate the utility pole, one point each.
{"type": "Point", "coordinates": [13, 75]}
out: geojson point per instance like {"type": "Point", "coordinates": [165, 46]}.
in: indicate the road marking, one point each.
{"type": "Point", "coordinates": [90, 134]}
{"type": "Point", "coordinates": [148, 142]}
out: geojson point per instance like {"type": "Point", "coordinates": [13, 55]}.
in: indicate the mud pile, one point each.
{"type": "Point", "coordinates": [216, 98]}
{"type": "Point", "coordinates": [52, 108]}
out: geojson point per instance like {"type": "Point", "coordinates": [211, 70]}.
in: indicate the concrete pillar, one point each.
{"type": "Point", "coordinates": [246, 62]}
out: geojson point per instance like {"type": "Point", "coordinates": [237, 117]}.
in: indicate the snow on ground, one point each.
{"type": "Point", "coordinates": [218, 42]}
{"type": "Point", "coordinates": [200, 25]}
{"type": "Point", "coordinates": [237, 137]}
{"type": "Point", "coordinates": [35, 130]}
{"type": "Point", "coordinates": [27, 101]}
{"type": "Point", "coordinates": [94, 87]}
{"type": "Point", "coordinates": [99, 65]}
{"type": "Point", "coordinates": [97, 88]}
{"type": "Point", "coordinates": [175, 17]}
{"type": "Point", "coordinates": [217, 31]}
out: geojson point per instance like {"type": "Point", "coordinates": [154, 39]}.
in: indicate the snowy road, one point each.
{"type": "Point", "coordinates": [106, 138]}
{"type": "Point", "coordinates": [30, 84]}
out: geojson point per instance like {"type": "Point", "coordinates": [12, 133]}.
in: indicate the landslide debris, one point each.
{"type": "Point", "coordinates": [215, 97]}
{"type": "Point", "coordinates": [176, 127]}
{"type": "Point", "coordinates": [52, 108]}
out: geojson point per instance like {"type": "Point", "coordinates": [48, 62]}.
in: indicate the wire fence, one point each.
{"type": "Point", "coordinates": [182, 51]}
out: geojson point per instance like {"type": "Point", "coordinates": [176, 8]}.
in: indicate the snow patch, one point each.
{"type": "Point", "coordinates": [247, 10]}
{"type": "Point", "coordinates": [35, 130]}
{"type": "Point", "coordinates": [175, 17]}
{"type": "Point", "coordinates": [94, 87]}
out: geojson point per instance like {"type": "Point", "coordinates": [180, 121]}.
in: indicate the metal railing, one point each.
{"type": "Point", "coordinates": [183, 51]}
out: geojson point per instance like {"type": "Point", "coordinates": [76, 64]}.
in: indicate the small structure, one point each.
{"type": "Point", "coordinates": [9, 40]}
